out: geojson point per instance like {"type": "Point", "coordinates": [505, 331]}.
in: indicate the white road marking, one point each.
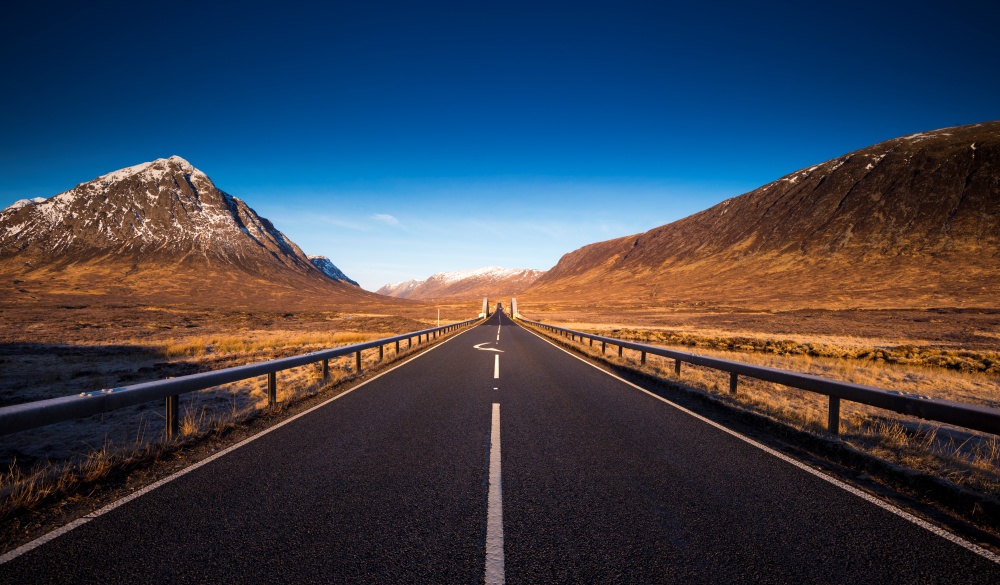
{"type": "Point", "coordinates": [494, 508]}
{"type": "Point", "coordinates": [13, 554]}
{"type": "Point", "coordinates": [486, 348]}
{"type": "Point", "coordinates": [848, 488]}
{"type": "Point", "coordinates": [496, 367]}
{"type": "Point", "coordinates": [498, 333]}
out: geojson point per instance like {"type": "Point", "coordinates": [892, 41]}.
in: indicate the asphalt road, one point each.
{"type": "Point", "coordinates": [601, 483]}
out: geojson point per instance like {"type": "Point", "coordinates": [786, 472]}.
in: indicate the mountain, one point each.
{"type": "Point", "coordinates": [492, 281]}
{"type": "Point", "coordinates": [328, 268]}
{"type": "Point", "coordinates": [910, 222]}
{"type": "Point", "coordinates": [161, 227]}
{"type": "Point", "coordinates": [400, 290]}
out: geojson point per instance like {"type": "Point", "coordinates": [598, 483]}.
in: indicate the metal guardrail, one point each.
{"type": "Point", "coordinates": [30, 415]}
{"type": "Point", "coordinates": [970, 416]}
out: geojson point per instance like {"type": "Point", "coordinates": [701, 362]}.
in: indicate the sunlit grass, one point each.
{"type": "Point", "coordinates": [257, 342]}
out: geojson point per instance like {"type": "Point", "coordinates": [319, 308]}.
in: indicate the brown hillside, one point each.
{"type": "Point", "coordinates": [911, 222]}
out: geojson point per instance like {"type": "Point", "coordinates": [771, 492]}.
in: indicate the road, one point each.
{"type": "Point", "coordinates": [399, 481]}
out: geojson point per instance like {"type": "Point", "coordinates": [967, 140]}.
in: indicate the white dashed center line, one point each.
{"type": "Point", "coordinates": [494, 509]}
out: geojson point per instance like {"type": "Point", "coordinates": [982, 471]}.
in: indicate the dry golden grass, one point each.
{"type": "Point", "coordinates": [967, 458]}
{"type": "Point", "coordinates": [951, 329]}
{"type": "Point", "coordinates": [259, 341]}
{"type": "Point", "coordinates": [26, 488]}
{"type": "Point", "coordinates": [839, 347]}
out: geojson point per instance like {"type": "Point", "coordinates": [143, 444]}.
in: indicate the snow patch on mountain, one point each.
{"type": "Point", "coordinates": [399, 289]}
{"type": "Point", "coordinates": [24, 203]}
{"type": "Point", "coordinates": [491, 273]}
{"type": "Point", "coordinates": [155, 170]}
{"type": "Point", "coordinates": [328, 268]}
{"type": "Point", "coordinates": [457, 282]}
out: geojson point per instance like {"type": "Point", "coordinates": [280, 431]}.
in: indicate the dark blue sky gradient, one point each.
{"type": "Point", "coordinates": [633, 114]}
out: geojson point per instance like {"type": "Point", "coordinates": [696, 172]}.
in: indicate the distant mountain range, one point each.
{"type": "Point", "coordinates": [491, 281]}
{"type": "Point", "coordinates": [910, 222]}
{"type": "Point", "coordinates": [156, 227]}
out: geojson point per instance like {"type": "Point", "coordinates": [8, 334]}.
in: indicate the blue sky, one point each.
{"type": "Point", "coordinates": [403, 139]}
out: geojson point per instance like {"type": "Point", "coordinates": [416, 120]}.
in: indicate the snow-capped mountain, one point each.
{"type": "Point", "coordinates": [156, 216]}
{"type": "Point", "coordinates": [328, 268]}
{"type": "Point", "coordinates": [487, 281]}
{"type": "Point", "coordinates": [399, 289]}
{"type": "Point", "coordinates": [165, 207]}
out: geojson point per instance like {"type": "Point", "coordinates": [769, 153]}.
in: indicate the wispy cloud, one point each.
{"type": "Point", "coordinates": [386, 219]}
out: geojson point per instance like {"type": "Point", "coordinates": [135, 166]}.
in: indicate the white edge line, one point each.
{"type": "Point", "coordinates": [846, 487]}
{"type": "Point", "coordinates": [24, 548]}
{"type": "Point", "coordinates": [494, 572]}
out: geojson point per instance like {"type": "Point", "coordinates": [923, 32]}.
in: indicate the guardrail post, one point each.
{"type": "Point", "coordinates": [397, 347]}
{"type": "Point", "coordinates": [834, 423]}
{"type": "Point", "coordinates": [733, 380]}
{"type": "Point", "coordinates": [620, 351]}
{"type": "Point", "coordinates": [357, 360]}
{"type": "Point", "coordinates": [326, 369]}
{"type": "Point", "coordinates": [381, 352]}
{"type": "Point", "coordinates": [591, 342]}
{"type": "Point", "coordinates": [642, 358]}
{"type": "Point", "coordinates": [677, 367]}
{"type": "Point", "coordinates": [173, 423]}
{"type": "Point", "coordinates": [603, 345]}
{"type": "Point", "coordinates": [409, 342]}
{"type": "Point", "coordinates": [272, 388]}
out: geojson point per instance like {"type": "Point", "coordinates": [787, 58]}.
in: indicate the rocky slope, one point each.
{"type": "Point", "coordinates": [151, 228]}
{"type": "Point", "coordinates": [913, 221]}
{"type": "Point", "coordinates": [464, 284]}
{"type": "Point", "coordinates": [329, 269]}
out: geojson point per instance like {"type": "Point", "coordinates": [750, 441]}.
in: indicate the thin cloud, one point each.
{"type": "Point", "coordinates": [386, 219]}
